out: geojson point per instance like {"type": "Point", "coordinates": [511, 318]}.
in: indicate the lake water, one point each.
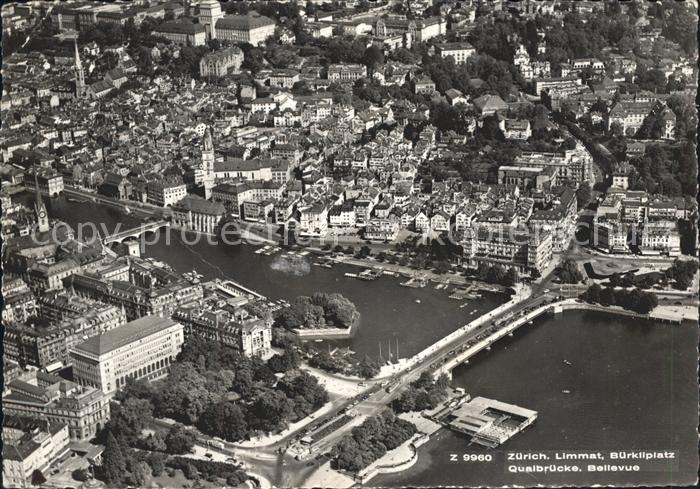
{"type": "Point", "coordinates": [633, 383]}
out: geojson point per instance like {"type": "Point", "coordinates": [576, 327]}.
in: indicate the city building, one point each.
{"type": "Point", "coordinates": [166, 191]}
{"type": "Point", "coordinates": [30, 445]}
{"type": "Point", "coordinates": [194, 213]}
{"type": "Point", "coordinates": [46, 397]}
{"type": "Point", "coordinates": [252, 28]}
{"type": "Point", "coordinates": [71, 319]}
{"type": "Point", "coordinates": [660, 237]}
{"type": "Point", "coordinates": [220, 63]}
{"type": "Point", "coordinates": [459, 51]}
{"type": "Point", "coordinates": [346, 72]}
{"type": "Point", "coordinates": [185, 33]}
{"type": "Point", "coordinates": [235, 327]}
{"type": "Point", "coordinates": [140, 349]}
{"type": "Point", "coordinates": [509, 247]}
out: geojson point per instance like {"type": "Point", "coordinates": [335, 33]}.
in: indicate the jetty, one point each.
{"type": "Point", "coordinates": [370, 274]}
{"type": "Point", "coordinates": [488, 422]}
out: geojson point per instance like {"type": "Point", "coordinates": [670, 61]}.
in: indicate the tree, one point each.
{"type": "Point", "coordinates": [583, 195]}
{"type": "Point", "coordinates": [224, 419]}
{"type": "Point", "coordinates": [140, 474]}
{"type": "Point", "coordinates": [511, 278]}
{"type": "Point", "coordinates": [80, 475]}
{"type": "Point", "coordinates": [373, 58]}
{"type": "Point", "coordinates": [154, 443]}
{"type": "Point", "coordinates": [180, 440]}
{"type": "Point", "coordinates": [113, 461]}
{"type": "Point", "coordinates": [569, 272]}
{"type": "Point", "coordinates": [157, 463]}
{"type": "Point", "coordinates": [38, 478]}
{"type": "Point", "coordinates": [368, 368]}
{"type": "Point", "coordinates": [288, 360]}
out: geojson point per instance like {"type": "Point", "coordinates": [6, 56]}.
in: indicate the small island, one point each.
{"type": "Point", "coordinates": [321, 316]}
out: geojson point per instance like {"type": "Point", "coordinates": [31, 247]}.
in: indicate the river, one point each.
{"type": "Point", "coordinates": [389, 313]}
{"type": "Point", "coordinates": [633, 383]}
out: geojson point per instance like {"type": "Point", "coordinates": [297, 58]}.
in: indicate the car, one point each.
{"type": "Point", "coordinates": [546, 291]}
{"type": "Point", "coordinates": [231, 460]}
{"type": "Point", "coordinates": [310, 464]}
{"type": "Point", "coordinates": [208, 455]}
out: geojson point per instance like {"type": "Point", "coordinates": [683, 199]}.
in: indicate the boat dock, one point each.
{"type": "Point", "coordinates": [488, 422]}
{"type": "Point", "coordinates": [415, 283]}
{"type": "Point", "coordinates": [465, 293]}
{"type": "Point", "coordinates": [370, 274]}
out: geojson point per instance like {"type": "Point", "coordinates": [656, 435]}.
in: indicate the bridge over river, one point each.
{"type": "Point", "coordinates": [136, 231]}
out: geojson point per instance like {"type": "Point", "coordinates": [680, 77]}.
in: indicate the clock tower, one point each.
{"type": "Point", "coordinates": [208, 158]}
{"type": "Point", "coordinates": [42, 217]}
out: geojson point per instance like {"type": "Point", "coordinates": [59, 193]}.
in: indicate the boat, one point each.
{"type": "Point", "coordinates": [566, 391]}
{"type": "Point", "coordinates": [567, 362]}
{"type": "Point", "coordinates": [417, 301]}
{"type": "Point", "coordinates": [318, 341]}
{"type": "Point", "coordinates": [351, 275]}
{"type": "Point", "coordinates": [529, 322]}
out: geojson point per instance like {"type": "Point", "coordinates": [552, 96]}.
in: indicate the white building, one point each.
{"type": "Point", "coordinates": [141, 349]}
{"type": "Point", "coordinates": [252, 28]}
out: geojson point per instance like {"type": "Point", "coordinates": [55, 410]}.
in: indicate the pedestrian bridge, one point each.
{"type": "Point", "coordinates": [135, 232]}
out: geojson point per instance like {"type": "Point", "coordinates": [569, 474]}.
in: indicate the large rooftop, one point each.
{"type": "Point", "coordinates": [125, 335]}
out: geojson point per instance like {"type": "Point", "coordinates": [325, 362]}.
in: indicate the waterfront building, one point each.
{"type": "Point", "coordinates": [140, 349]}
{"type": "Point", "coordinates": [313, 219]}
{"type": "Point", "coordinates": [250, 335]}
{"type": "Point", "coordinates": [166, 191]}
{"type": "Point", "coordinates": [522, 249]}
{"type": "Point", "coordinates": [234, 195]}
{"type": "Point", "coordinates": [194, 213]}
{"type": "Point", "coordinates": [46, 397]}
{"type": "Point", "coordinates": [50, 183]}
{"type": "Point", "coordinates": [143, 295]}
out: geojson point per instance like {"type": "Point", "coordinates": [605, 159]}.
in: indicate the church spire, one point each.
{"type": "Point", "coordinates": [208, 143]}
{"type": "Point", "coordinates": [79, 73]}
{"type": "Point", "coordinates": [42, 217]}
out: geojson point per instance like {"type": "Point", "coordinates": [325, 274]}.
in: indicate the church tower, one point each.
{"type": "Point", "coordinates": [209, 14]}
{"type": "Point", "coordinates": [42, 217]}
{"type": "Point", "coordinates": [208, 163]}
{"type": "Point", "coordinates": [79, 74]}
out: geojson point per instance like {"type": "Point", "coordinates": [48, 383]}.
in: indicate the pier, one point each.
{"type": "Point", "coordinates": [235, 289]}
{"type": "Point", "coordinates": [488, 422]}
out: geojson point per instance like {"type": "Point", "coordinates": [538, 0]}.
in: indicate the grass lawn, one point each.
{"type": "Point", "coordinates": [178, 480]}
